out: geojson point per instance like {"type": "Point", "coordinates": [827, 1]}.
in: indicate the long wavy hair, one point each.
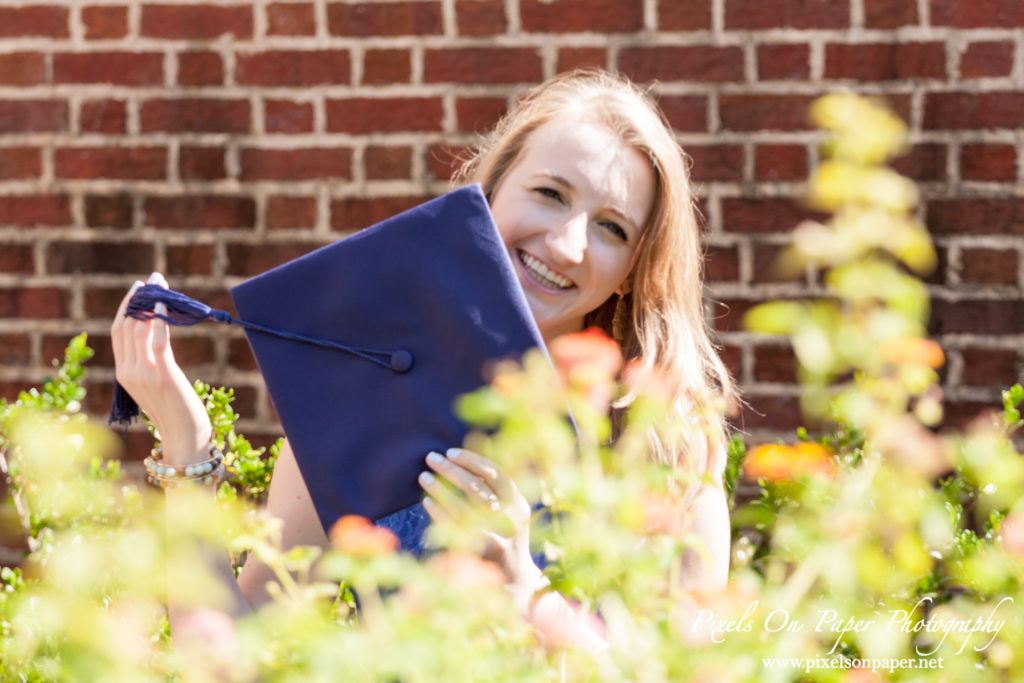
{"type": "Point", "coordinates": [658, 317]}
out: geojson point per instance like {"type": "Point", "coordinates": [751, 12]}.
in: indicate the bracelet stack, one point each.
{"type": "Point", "coordinates": [208, 471]}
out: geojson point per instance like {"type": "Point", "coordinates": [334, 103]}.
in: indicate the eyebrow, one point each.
{"type": "Point", "coordinates": [614, 210]}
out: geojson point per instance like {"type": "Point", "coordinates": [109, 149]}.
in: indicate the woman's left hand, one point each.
{"type": "Point", "coordinates": [485, 489]}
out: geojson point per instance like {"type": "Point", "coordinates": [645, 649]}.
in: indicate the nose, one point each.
{"type": "Point", "coordinates": [568, 241]}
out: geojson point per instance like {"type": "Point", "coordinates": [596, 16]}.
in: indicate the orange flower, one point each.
{"type": "Point", "coordinates": [464, 569]}
{"type": "Point", "coordinates": [355, 535]}
{"type": "Point", "coordinates": [912, 350]}
{"type": "Point", "coordinates": [779, 462]}
{"type": "Point", "coordinates": [588, 361]}
{"type": "Point", "coordinates": [665, 514]}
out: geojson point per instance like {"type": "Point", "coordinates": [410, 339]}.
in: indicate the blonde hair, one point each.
{"type": "Point", "coordinates": [660, 321]}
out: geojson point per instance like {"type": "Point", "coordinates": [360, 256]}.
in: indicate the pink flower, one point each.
{"type": "Point", "coordinates": [588, 361]}
{"type": "Point", "coordinates": [467, 570]}
{"type": "Point", "coordinates": [912, 350]}
{"type": "Point", "coordinates": [665, 514]}
{"type": "Point", "coordinates": [1011, 533]}
{"type": "Point", "coordinates": [780, 462]}
{"type": "Point", "coordinates": [561, 625]}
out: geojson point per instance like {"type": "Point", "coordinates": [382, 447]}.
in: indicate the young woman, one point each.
{"type": "Point", "coordinates": [591, 195]}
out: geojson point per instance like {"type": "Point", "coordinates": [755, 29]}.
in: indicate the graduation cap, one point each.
{"type": "Point", "coordinates": [365, 344]}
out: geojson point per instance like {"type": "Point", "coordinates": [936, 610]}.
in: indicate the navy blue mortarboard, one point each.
{"type": "Point", "coordinates": [365, 344]}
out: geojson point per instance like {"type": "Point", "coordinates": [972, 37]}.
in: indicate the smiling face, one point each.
{"type": "Point", "coordinates": [572, 210]}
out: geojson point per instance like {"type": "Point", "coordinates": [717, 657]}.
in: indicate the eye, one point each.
{"type": "Point", "coordinates": [550, 193]}
{"type": "Point", "coordinates": [616, 230]}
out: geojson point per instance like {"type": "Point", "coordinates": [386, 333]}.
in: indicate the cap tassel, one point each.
{"type": "Point", "coordinates": [183, 311]}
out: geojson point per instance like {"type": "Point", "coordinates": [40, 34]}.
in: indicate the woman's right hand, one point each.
{"type": "Point", "coordinates": [145, 367]}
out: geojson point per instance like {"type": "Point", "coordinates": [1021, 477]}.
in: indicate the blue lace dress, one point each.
{"type": "Point", "coordinates": [409, 525]}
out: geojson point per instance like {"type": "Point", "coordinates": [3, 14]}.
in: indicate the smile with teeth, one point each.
{"type": "Point", "coordinates": [542, 273]}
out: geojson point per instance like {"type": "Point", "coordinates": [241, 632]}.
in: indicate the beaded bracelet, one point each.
{"type": "Point", "coordinates": [205, 472]}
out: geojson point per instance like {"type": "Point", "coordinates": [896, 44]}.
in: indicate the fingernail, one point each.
{"type": "Point", "coordinates": [160, 309]}
{"type": "Point", "coordinates": [427, 478]}
{"type": "Point", "coordinates": [428, 502]}
{"type": "Point", "coordinates": [434, 458]}
{"type": "Point", "coordinates": [154, 278]}
{"type": "Point", "coordinates": [454, 453]}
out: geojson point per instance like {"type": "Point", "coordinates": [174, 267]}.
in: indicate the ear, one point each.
{"type": "Point", "coordinates": [626, 287]}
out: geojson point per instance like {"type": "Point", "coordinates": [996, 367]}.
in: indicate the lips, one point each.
{"type": "Point", "coordinates": [544, 276]}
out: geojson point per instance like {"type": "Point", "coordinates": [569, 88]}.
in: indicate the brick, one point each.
{"type": "Point", "coordinates": [349, 215]}
{"type": "Point", "coordinates": [938, 275]}
{"type": "Point", "coordinates": [574, 16]}
{"type": "Point", "coordinates": [977, 14]}
{"type": "Point", "coordinates": [22, 69]}
{"type": "Point", "coordinates": [388, 163]}
{"type": "Point", "coordinates": [20, 163]}
{"type": "Point", "coordinates": [250, 259]}
{"type": "Point", "coordinates": [191, 212]}
{"type": "Point", "coordinates": [444, 160]}
{"type": "Point", "coordinates": [53, 346]}
{"type": "Point", "coordinates": [17, 258]}
{"type": "Point", "coordinates": [240, 356]}
{"type": "Point", "coordinates": [727, 315]}
{"type": "Point", "coordinates": [716, 162]}
{"type": "Point", "coordinates": [384, 19]}
{"type": "Point", "coordinates": [364, 115]}
{"type": "Point", "coordinates": [291, 19]}
{"type": "Point", "coordinates": [103, 116]}
{"type": "Point", "coordinates": [923, 162]}
{"type": "Point", "coordinates": [973, 111]}
{"type": "Point", "coordinates": [285, 116]}
{"type": "Point", "coordinates": [34, 210]}
{"type": "Point", "coordinates": [293, 68]}
{"type": "Point", "coordinates": [570, 58]}
{"type": "Point", "coordinates": [189, 259]}
{"type": "Point", "coordinates": [387, 66]}
{"type": "Point", "coordinates": [885, 61]}
{"type": "Point", "coordinates": [783, 61]}
{"type": "Point", "coordinates": [196, 21]}
{"type": "Point", "coordinates": [685, 113]}
{"type": "Point", "coordinates": [692, 15]}
{"type": "Point", "coordinates": [125, 163]}
{"type": "Point", "coordinates": [806, 14]}
{"type": "Point", "coordinates": [979, 316]}
{"type": "Point", "coordinates": [480, 17]}
{"type": "Point", "coordinates": [482, 65]}
{"type": "Point", "coordinates": [771, 412]}
{"type": "Point", "coordinates": [990, 59]}
{"type": "Point", "coordinates": [888, 14]}
{"type": "Point", "coordinates": [99, 257]}
{"type": "Point", "coordinates": [475, 114]}
{"type": "Point", "coordinates": [285, 212]}
{"type": "Point", "coordinates": [201, 163]}
{"type": "Point", "coordinates": [989, 367]}
{"type": "Point", "coordinates": [295, 164]}
{"type": "Point", "coordinates": [202, 67]}
{"type": "Point", "coordinates": [703, 63]}
{"type": "Point", "coordinates": [102, 302]}
{"type": "Point", "coordinates": [780, 162]}
{"type": "Point", "coordinates": [50, 21]}
{"type": "Point", "coordinates": [109, 211]}
{"type": "Point", "coordinates": [732, 356]}
{"type": "Point", "coordinates": [16, 350]}
{"type": "Point", "coordinates": [33, 116]}
{"type": "Point", "coordinates": [988, 162]}
{"type": "Point", "coordinates": [976, 216]}
{"type": "Point", "coordinates": [34, 302]}
{"type": "Point", "coordinates": [763, 215]}
{"type": "Point", "coordinates": [195, 115]}
{"type": "Point", "coordinates": [765, 264]}
{"type": "Point", "coordinates": [117, 68]}
{"type": "Point", "coordinates": [988, 266]}
{"type": "Point", "coordinates": [722, 264]}
{"type": "Point", "coordinates": [774, 363]}
{"type": "Point", "coordinates": [105, 22]}
{"type": "Point", "coordinates": [765, 112]}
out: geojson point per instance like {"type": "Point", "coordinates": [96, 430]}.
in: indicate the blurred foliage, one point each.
{"type": "Point", "coordinates": [876, 541]}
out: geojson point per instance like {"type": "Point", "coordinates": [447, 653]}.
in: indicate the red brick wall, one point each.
{"type": "Point", "coordinates": [211, 141]}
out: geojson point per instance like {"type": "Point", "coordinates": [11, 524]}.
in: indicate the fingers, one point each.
{"type": "Point", "coordinates": [443, 503]}
{"type": "Point", "coordinates": [486, 470]}
{"type": "Point", "coordinates": [161, 335]}
{"type": "Point", "coordinates": [117, 327]}
{"type": "Point", "coordinates": [475, 487]}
